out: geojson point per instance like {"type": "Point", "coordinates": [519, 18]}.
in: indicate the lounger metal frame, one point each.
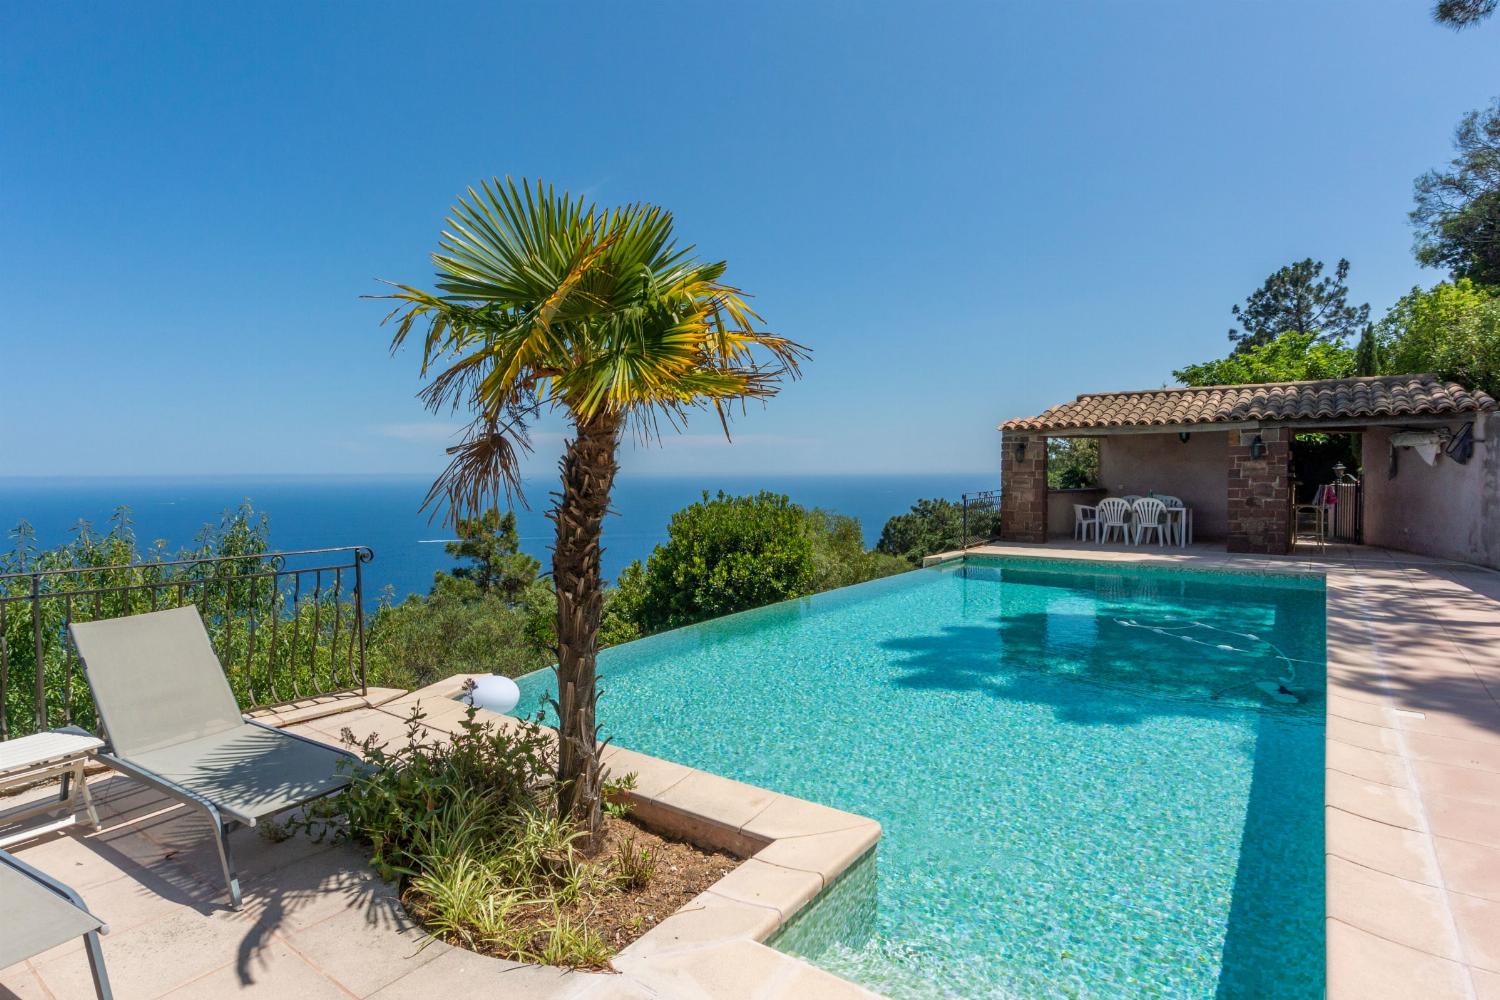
{"type": "Point", "coordinates": [223, 819]}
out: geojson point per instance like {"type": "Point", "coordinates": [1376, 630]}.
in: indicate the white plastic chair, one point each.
{"type": "Point", "coordinates": [1178, 525]}
{"type": "Point", "coordinates": [1085, 522]}
{"type": "Point", "coordinates": [1148, 517]}
{"type": "Point", "coordinates": [1113, 513]}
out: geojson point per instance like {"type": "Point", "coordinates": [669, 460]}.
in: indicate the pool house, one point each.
{"type": "Point", "coordinates": [1243, 458]}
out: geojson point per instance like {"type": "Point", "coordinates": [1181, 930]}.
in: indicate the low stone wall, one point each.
{"type": "Point", "coordinates": [1060, 508]}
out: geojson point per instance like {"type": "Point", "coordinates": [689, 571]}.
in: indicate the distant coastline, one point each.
{"type": "Point", "coordinates": [382, 511]}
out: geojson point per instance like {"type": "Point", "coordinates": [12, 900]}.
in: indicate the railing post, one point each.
{"type": "Point", "coordinates": [963, 538]}
{"type": "Point", "coordinates": [359, 616]}
{"type": "Point", "coordinates": [36, 638]}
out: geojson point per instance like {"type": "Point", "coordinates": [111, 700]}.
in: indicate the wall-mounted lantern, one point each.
{"type": "Point", "coordinates": [1021, 450]}
{"type": "Point", "coordinates": [1339, 468]}
{"type": "Point", "coordinates": [1258, 447]}
{"type": "Point", "coordinates": [1183, 436]}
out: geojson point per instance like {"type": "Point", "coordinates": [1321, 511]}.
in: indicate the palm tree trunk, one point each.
{"type": "Point", "coordinates": [588, 473]}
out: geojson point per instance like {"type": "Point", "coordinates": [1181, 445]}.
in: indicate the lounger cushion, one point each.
{"type": "Point", "coordinates": [33, 918]}
{"type": "Point", "coordinates": [249, 772]}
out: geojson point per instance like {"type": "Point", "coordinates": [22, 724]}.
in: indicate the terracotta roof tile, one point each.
{"type": "Point", "coordinates": [1383, 396]}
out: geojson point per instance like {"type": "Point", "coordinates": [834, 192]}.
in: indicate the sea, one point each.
{"type": "Point", "coordinates": [384, 512]}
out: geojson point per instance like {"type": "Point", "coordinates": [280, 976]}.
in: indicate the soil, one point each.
{"type": "Point", "coordinates": [679, 871]}
{"type": "Point", "coordinates": [682, 870]}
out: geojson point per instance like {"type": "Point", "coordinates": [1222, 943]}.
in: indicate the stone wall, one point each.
{"type": "Point", "coordinates": [1023, 484]}
{"type": "Point", "coordinates": [1259, 492]}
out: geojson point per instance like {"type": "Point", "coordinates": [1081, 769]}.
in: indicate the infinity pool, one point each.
{"type": "Point", "coordinates": [1095, 781]}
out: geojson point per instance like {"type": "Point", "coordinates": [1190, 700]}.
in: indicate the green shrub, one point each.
{"type": "Point", "coordinates": [724, 555]}
{"type": "Point", "coordinates": [933, 526]}
{"type": "Point", "coordinates": [471, 825]}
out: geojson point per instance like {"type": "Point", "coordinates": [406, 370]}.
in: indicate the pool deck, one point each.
{"type": "Point", "coordinates": [1412, 779]}
{"type": "Point", "coordinates": [317, 923]}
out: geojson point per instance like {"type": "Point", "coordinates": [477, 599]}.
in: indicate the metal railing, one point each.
{"type": "Point", "coordinates": [1348, 512]}
{"type": "Point", "coordinates": [285, 626]}
{"type": "Point", "coordinates": [980, 520]}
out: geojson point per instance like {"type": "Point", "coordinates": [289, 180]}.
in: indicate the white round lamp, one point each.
{"type": "Point", "coordinates": [496, 693]}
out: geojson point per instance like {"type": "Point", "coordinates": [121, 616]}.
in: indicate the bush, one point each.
{"type": "Point", "coordinates": [426, 638]}
{"type": "Point", "coordinates": [840, 558]}
{"type": "Point", "coordinates": [471, 827]}
{"type": "Point", "coordinates": [724, 555]}
{"type": "Point", "coordinates": [933, 526]}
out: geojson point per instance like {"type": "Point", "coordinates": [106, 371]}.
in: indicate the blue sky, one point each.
{"type": "Point", "coordinates": [969, 211]}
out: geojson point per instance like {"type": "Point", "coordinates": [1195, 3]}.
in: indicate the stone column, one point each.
{"type": "Point", "coordinates": [1023, 486]}
{"type": "Point", "coordinates": [1259, 491]}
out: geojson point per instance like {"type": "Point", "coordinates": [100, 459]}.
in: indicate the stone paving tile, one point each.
{"type": "Point", "coordinates": [1478, 928]}
{"type": "Point", "coordinates": [737, 970]}
{"type": "Point", "coordinates": [152, 959]}
{"type": "Point", "coordinates": [1446, 750]}
{"type": "Point", "coordinates": [1363, 735]}
{"type": "Point", "coordinates": [1371, 765]}
{"type": "Point", "coordinates": [458, 973]}
{"type": "Point", "coordinates": [1385, 803]}
{"type": "Point", "coordinates": [732, 802]}
{"type": "Point", "coordinates": [757, 882]}
{"type": "Point", "coordinates": [1365, 966]}
{"type": "Point", "coordinates": [366, 949]}
{"type": "Point", "coordinates": [1473, 869]}
{"type": "Point", "coordinates": [1408, 913]}
{"type": "Point", "coordinates": [277, 972]}
{"type": "Point", "coordinates": [1463, 819]}
{"type": "Point", "coordinates": [1390, 849]}
{"type": "Point", "coordinates": [1458, 782]}
{"type": "Point", "coordinates": [20, 983]}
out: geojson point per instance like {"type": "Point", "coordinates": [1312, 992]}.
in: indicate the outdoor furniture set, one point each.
{"type": "Point", "coordinates": [1134, 520]}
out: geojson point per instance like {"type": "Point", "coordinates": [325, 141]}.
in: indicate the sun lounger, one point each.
{"type": "Point", "coordinates": [172, 722]}
{"type": "Point", "coordinates": [40, 913]}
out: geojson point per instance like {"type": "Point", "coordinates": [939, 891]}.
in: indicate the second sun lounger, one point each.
{"type": "Point", "coordinates": [41, 913]}
{"type": "Point", "coordinates": [172, 722]}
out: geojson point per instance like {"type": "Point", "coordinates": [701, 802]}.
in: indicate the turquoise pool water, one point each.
{"type": "Point", "coordinates": [1084, 791]}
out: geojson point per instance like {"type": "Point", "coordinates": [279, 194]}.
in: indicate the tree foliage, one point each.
{"type": "Point", "coordinates": [1072, 463]}
{"type": "Point", "coordinates": [1300, 299]}
{"type": "Point", "coordinates": [1291, 357]}
{"type": "Point", "coordinates": [1451, 330]}
{"type": "Point", "coordinates": [931, 526]}
{"type": "Point", "coordinates": [1459, 14]}
{"type": "Point", "coordinates": [491, 549]}
{"type": "Point", "coordinates": [840, 558]}
{"type": "Point", "coordinates": [1457, 215]}
{"type": "Point", "coordinates": [1368, 356]}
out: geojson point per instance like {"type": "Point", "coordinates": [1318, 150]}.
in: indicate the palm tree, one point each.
{"type": "Point", "coordinates": [545, 302]}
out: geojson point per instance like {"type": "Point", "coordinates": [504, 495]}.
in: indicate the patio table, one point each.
{"type": "Point", "coordinates": [27, 760]}
{"type": "Point", "coordinates": [1180, 524]}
